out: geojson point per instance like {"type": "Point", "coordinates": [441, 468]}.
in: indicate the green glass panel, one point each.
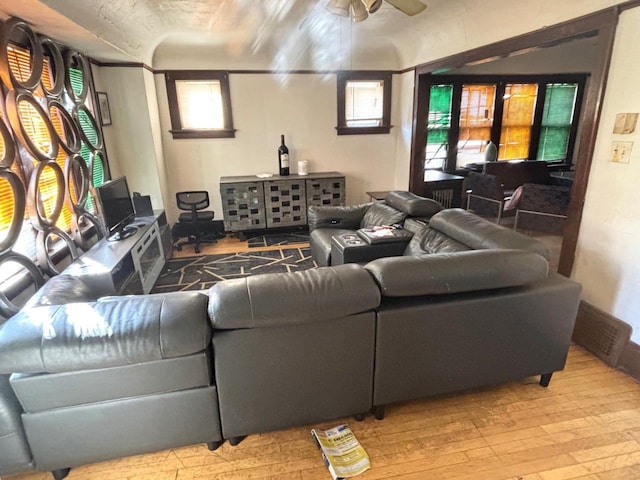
{"type": "Point", "coordinates": [438, 125]}
{"type": "Point", "coordinates": [440, 106]}
{"type": "Point", "coordinates": [559, 103]}
{"type": "Point", "coordinates": [76, 77]}
{"type": "Point", "coordinates": [85, 153]}
{"type": "Point", "coordinates": [440, 135]}
{"type": "Point", "coordinates": [87, 127]}
{"type": "Point", "coordinates": [553, 143]}
{"type": "Point", "coordinates": [97, 173]}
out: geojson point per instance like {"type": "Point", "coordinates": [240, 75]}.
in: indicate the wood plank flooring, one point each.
{"type": "Point", "coordinates": [585, 425]}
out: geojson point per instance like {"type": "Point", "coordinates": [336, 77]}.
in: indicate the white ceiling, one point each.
{"type": "Point", "coordinates": [282, 34]}
{"type": "Point", "coordinates": [132, 30]}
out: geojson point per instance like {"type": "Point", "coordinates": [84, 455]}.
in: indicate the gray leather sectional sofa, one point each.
{"type": "Point", "coordinates": [470, 304]}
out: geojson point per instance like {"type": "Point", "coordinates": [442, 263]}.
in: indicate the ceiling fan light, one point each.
{"type": "Point", "coordinates": [372, 5]}
{"type": "Point", "coordinates": [339, 7]}
{"type": "Point", "coordinates": [358, 11]}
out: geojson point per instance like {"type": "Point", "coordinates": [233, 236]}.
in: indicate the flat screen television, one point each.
{"type": "Point", "coordinates": [117, 209]}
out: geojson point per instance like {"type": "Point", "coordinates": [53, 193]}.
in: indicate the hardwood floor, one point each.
{"type": "Point", "coordinates": [228, 244]}
{"type": "Point", "coordinates": [585, 425]}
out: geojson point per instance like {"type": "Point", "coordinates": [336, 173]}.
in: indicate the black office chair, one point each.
{"type": "Point", "coordinates": [197, 221]}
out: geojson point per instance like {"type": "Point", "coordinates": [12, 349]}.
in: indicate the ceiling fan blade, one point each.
{"type": "Point", "coordinates": [410, 7]}
{"type": "Point", "coordinates": [372, 5]}
{"type": "Point", "coordinates": [358, 11]}
{"type": "Point", "coordinates": [339, 7]}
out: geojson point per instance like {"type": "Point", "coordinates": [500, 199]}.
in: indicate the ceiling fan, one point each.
{"type": "Point", "coordinates": [360, 9]}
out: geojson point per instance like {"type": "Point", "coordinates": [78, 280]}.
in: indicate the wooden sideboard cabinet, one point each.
{"type": "Point", "coordinates": [253, 203]}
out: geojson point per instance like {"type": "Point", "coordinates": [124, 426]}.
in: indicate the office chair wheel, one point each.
{"type": "Point", "coordinates": [179, 248]}
{"type": "Point", "coordinates": [196, 249]}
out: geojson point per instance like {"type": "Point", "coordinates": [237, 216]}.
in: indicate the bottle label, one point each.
{"type": "Point", "coordinates": [284, 159]}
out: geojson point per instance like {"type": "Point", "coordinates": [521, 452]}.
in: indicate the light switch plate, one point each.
{"type": "Point", "coordinates": [621, 152]}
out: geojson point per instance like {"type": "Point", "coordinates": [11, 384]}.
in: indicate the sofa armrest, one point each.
{"type": "Point", "coordinates": [14, 451]}
{"type": "Point", "coordinates": [412, 204]}
{"type": "Point", "coordinates": [345, 217]}
{"type": "Point", "coordinates": [458, 272]}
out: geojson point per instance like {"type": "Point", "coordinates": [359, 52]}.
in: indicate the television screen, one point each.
{"type": "Point", "coordinates": [117, 208]}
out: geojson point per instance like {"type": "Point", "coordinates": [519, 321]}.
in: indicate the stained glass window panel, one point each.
{"type": "Point", "coordinates": [477, 107]}
{"type": "Point", "coordinates": [439, 124]}
{"type": "Point", "coordinates": [517, 119]}
{"type": "Point", "coordinates": [559, 106]}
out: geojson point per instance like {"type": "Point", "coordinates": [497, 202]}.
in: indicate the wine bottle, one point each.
{"type": "Point", "coordinates": [283, 157]}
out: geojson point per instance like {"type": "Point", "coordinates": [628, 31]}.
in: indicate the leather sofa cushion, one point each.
{"type": "Point", "coordinates": [345, 217]}
{"type": "Point", "coordinates": [276, 299]}
{"type": "Point", "coordinates": [380, 213]}
{"type": "Point", "coordinates": [457, 272]}
{"type": "Point", "coordinates": [428, 240]}
{"type": "Point", "coordinates": [60, 290]}
{"type": "Point", "coordinates": [478, 233]}
{"type": "Point", "coordinates": [412, 204]}
{"type": "Point", "coordinates": [110, 332]}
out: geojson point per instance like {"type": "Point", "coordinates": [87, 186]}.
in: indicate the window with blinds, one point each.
{"type": "Point", "coordinates": [199, 104]}
{"type": "Point", "coordinates": [476, 119]}
{"type": "Point", "coordinates": [438, 126]}
{"type": "Point", "coordinates": [519, 102]}
{"type": "Point", "coordinates": [559, 108]}
{"type": "Point", "coordinates": [526, 116]}
{"type": "Point", "coordinates": [364, 103]}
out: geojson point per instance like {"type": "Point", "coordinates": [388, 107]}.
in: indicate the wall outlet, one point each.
{"type": "Point", "coordinates": [621, 152]}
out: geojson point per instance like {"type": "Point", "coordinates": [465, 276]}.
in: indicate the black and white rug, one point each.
{"type": "Point", "coordinates": [200, 273]}
{"type": "Point", "coordinates": [278, 239]}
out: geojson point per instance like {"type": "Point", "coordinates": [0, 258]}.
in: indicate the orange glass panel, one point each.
{"type": "Point", "coordinates": [517, 119]}
{"type": "Point", "coordinates": [7, 205]}
{"type": "Point", "coordinates": [476, 119]}
{"type": "Point", "coordinates": [20, 61]}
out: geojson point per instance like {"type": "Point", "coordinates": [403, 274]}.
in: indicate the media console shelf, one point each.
{"type": "Point", "coordinates": [254, 203]}
{"type": "Point", "coordinates": [125, 267]}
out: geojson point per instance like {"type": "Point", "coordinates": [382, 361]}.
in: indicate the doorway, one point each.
{"type": "Point", "coordinates": [601, 24]}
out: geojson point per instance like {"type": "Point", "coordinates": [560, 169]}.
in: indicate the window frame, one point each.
{"type": "Point", "coordinates": [342, 78]}
{"type": "Point", "coordinates": [221, 76]}
{"type": "Point", "coordinates": [501, 80]}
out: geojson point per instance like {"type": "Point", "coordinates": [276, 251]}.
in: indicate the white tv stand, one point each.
{"type": "Point", "coordinates": [124, 267]}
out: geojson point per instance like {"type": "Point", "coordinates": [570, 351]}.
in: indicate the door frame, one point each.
{"type": "Point", "coordinates": [602, 23]}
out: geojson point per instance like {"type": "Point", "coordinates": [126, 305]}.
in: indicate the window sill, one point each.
{"type": "Point", "coordinates": [218, 133]}
{"type": "Point", "coordinates": [363, 130]}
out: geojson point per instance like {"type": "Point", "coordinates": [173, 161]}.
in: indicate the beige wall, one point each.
{"type": "Point", "coordinates": [303, 108]}
{"type": "Point", "coordinates": [608, 259]}
{"type": "Point", "coordinates": [129, 140]}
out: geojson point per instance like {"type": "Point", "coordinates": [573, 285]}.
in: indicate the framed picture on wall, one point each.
{"type": "Point", "coordinates": [103, 106]}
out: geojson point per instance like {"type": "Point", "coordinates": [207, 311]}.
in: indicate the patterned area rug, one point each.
{"type": "Point", "coordinates": [200, 273]}
{"type": "Point", "coordinates": [277, 239]}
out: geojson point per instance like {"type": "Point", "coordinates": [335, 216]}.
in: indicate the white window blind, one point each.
{"type": "Point", "coordinates": [364, 103]}
{"type": "Point", "coordinates": [200, 104]}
